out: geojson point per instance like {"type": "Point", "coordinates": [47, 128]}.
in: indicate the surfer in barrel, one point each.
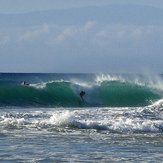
{"type": "Point", "coordinates": [24, 83]}
{"type": "Point", "coordinates": [82, 93]}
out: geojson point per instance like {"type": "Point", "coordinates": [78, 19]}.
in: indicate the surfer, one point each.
{"type": "Point", "coordinates": [24, 83]}
{"type": "Point", "coordinates": [82, 93]}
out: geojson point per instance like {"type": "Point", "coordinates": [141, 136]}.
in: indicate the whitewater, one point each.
{"type": "Point", "coordinates": [120, 118]}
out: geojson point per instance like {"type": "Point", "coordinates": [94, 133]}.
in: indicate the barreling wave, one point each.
{"type": "Point", "coordinates": [107, 92]}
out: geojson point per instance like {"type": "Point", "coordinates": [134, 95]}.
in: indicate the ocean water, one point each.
{"type": "Point", "coordinates": [119, 119]}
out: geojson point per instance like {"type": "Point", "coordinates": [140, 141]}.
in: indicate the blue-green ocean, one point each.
{"type": "Point", "coordinates": [118, 119]}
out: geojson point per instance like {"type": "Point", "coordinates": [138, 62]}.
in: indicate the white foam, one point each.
{"type": "Point", "coordinates": [13, 122]}
{"type": "Point", "coordinates": [39, 85]}
{"type": "Point", "coordinates": [157, 105]}
{"type": "Point", "coordinates": [61, 118]}
{"type": "Point", "coordinates": [43, 85]}
{"type": "Point", "coordinates": [122, 120]}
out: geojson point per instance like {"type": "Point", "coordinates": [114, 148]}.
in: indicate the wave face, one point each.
{"type": "Point", "coordinates": [104, 90]}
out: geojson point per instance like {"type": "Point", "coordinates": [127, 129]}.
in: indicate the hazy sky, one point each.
{"type": "Point", "coordinates": [11, 6]}
{"type": "Point", "coordinates": [123, 39]}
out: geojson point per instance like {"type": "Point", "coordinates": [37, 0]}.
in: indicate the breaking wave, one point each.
{"type": "Point", "coordinates": [103, 91]}
{"type": "Point", "coordinates": [118, 120]}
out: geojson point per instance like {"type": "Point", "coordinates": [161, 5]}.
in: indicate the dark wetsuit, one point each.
{"type": "Point", "coordinates": [82, 93]}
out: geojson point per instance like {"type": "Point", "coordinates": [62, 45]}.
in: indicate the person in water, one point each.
{"type": "Point", "coordinates": [82, 93]}
{"type": "Point", "coordinates": [24, 83]}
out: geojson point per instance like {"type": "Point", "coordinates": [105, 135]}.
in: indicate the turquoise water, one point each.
{"type": "Point", "coordinates": [62, 90]}
{"type": "Point", "coordinates": [120, 118]}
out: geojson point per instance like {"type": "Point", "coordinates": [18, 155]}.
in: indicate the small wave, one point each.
{"type": "Point", "coordinates": [62, 118]}
{"type": "Point", "coordinates": [157, 105]}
